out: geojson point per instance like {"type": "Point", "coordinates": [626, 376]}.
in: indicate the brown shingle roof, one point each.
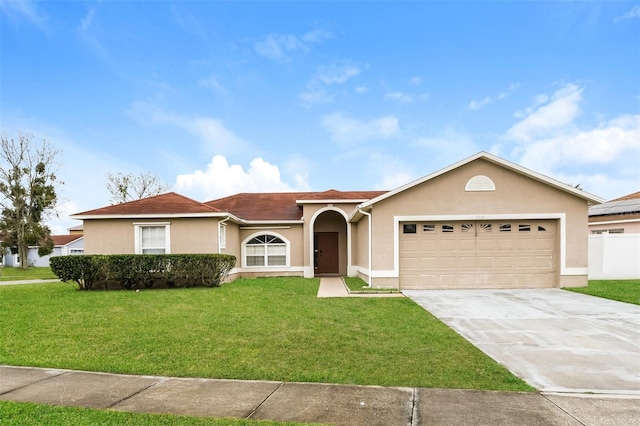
{"type": "Point", "coordinates": [169, 203]}
{"type": "Point", "coordinates": [261, 206]}
{"type": "Point", "coordinates": [280, 205]}
{"type": "Point", "coordinates": [63, 240]}
{"type": "Point", "coordinates": [333, 194]}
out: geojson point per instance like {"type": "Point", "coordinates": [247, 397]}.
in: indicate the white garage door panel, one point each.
{"type": "Point", "coordinates": [487, 254]}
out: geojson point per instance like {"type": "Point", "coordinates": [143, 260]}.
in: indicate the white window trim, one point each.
{"type": "Point", "coordinates": [137, 231]}
{"type": "Point", "coordinates": [266, 267]}
{"type": "Point", "coordinates": [222, 236]}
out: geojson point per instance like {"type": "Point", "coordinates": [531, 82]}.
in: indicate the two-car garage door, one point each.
{"type": "Point", "coordinates": [478, 254]}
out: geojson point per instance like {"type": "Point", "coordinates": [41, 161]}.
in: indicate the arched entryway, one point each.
{"type": "Point", "coordinates": [330, 254]}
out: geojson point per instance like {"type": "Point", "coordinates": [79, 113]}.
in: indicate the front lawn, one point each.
{"type": "Point", "coordinates": [621, 290]}
{"type": "Point", "coordinates": [262, 329]}
{"type": "Point", "coordinates": [24, 413]}
{"type": "Point", "coordinates": [358, 285]}
{"type": "Point", "coordinates": [34, 273]}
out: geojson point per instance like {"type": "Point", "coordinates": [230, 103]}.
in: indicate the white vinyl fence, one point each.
{"type": "Point", "coordinates": [614, 256]}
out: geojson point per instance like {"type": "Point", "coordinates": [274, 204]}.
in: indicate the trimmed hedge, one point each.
{"type": "Point", "coordinates": [143, 270]}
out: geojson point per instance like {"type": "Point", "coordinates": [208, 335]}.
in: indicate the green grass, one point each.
{"type": "Point", "coordinates": [358, 285]}
{"type": "Point", "coordinates": [262, 329]}
{"type": "Point", "coordinates": [23, 413]}
{"type": "Point", "coordinates": [33, 273]}
{"type": "Point", "coordinates": [620, 290]}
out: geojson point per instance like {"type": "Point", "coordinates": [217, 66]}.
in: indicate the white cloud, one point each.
{"type": "Point", "coordinates": [605, 144]}
{"type": "Point", "coordinates": [633, 13]}
{"type": "Point", "coordinates": [476, 105]}
{"type": "Point", "coordinates": [547, 117]}
{"type": "Point", "coordinates": [361, 90]}
{"type": "Point", "coordinates": [315, 96]}
{"type": "Point", "coordinates": [316, 91]}
{"type": "Point", "coordinates": [603, 157]}
{"type": "Point", "coordinates": [24, 10]}
{"type": "Point", "coordinates": [347, 130]}
{"type": "Point", "coordinates": [416, 81]}
{"type": "Point", "coordinates": [333, 74]}
{"type": "Point", "coordinates": [212, 83]}
{"type": "Point", "coordinates": [403, 97]}
{"type": "Point", "coordinates": [211, 131]}
{"type": "Point", "coordinates": [279, 47]}
{"type": "Point", "coordinates": [221, 179]}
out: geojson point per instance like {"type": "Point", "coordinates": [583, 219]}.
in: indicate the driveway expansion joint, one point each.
{"type": "Point", "coordinates": [264, 400]}
{"type": "Point", "coordinates": [61, 373]}
{"type": "Point", "coordinates": [138, 392]}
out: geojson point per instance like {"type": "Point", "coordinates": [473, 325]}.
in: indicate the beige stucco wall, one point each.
{"type": "Point", "coordinates": [515, 194]}
{"type": "Point", "coordinates": [117, 236]}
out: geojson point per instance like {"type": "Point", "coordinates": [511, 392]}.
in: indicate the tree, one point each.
{"type": "Point", "coordinates": [27, 195]}
{"type": "Point", "coordinates": [129, 187]}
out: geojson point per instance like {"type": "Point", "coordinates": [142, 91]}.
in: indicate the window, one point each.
{"type": "Point", "coordinates": [409, 228]}
{"type": "Point", "coordinates": [466, 227]}
{"type": "Point", "coordinates": [429, 228]}
{"type": "Point", "coordinates": [542, 229]}
{"type": "Point", "coordinates": [266, 250]}
{"type": "Point", "coordinates": [486, 227]}
{"type": "Point", "coordinates": [523, 227]}
{"type": "Point", "coordinates": [152, 238]}
{"type": "Point", "coordinates": [505, 227]}
{"type": "Point", "coordinates": [447, 228]}
{"type": "Point", "coordinates": [222, 235]}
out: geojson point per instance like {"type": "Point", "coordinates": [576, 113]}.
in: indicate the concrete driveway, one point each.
{"type": "Point", "coordinates": [556, 340]}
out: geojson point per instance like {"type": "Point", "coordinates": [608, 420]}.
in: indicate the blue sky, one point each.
{"type": "Point", "coordinates": [222, 97]}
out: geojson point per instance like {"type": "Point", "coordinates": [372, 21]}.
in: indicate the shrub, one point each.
{"type": "Point", "coordinates": [131, 270]}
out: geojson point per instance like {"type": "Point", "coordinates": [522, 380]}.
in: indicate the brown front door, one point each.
{"type": "Point", "coordinates": [326, 253]}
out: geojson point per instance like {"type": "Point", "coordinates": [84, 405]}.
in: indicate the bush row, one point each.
{"type": "Point", "coordinates": [143, 270]}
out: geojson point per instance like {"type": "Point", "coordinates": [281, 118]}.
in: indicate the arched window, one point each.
{"type": "Point", "coordinates": [266, 250]}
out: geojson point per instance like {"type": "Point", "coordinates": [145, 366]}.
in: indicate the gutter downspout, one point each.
{"type": "Point", "coordinates": [220, 225]}
{"type": "Point", "coordinates": [370, 246]}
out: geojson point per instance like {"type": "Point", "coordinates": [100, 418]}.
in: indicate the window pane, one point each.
{"type": "Point", "coordinates": [409, 228]}
{"type": "Point", "coordinates": [152, 251]}
{"type": "Point", "coordinates": [447, 228]}
{"type": "Point", "coordinates": [255, 250]}
{"type": "Point", "coordinates": [277, 260]}
{"type": "Point", "coordinates": [255, 260]}
{"type": "Point", "coordinates": [153, 239]}
{"type": "Point", "coordinates": [276, 250]}
{"type": "Point", "coordinates": [505, 227]}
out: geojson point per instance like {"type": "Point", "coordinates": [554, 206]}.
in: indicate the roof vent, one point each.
{"type": "Point", "coordinates": [480, 183]}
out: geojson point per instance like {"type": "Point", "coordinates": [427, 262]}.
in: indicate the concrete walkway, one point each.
{"type": "Point", "coordinates": [310, 402]}
{"type": "Point", "coordinates": [335, 287]}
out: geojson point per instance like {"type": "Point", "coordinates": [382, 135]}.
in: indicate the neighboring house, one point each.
{"type": "Point", "coordinates": [619, 216]}
{"type": "Point", "coordinates": [614, 240]}
{"type": "Point", "coordinates": [63, 245]}
{"type": "Point", "coordinates": [483, 222]}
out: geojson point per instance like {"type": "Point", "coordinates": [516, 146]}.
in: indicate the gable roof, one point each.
{"type": "Point", "coordinates": [63, 240]}
{"type": "Point", "coordinates": [163, 205]}
{"type": "Point", "coordinates": [283, 206]}
{"type": "Point", "coordinates": [590, 198]}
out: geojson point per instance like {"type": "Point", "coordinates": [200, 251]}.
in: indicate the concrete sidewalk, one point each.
{"type": "Point", "coordinates": [311, 402]}
{"type": "Point", "coordinates": [18, 282]}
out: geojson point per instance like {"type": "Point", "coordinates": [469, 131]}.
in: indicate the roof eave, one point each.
{"type": "Point", "coordinates": [332, 201]}
{"type": "Point", "coordinates": [148, 216]}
